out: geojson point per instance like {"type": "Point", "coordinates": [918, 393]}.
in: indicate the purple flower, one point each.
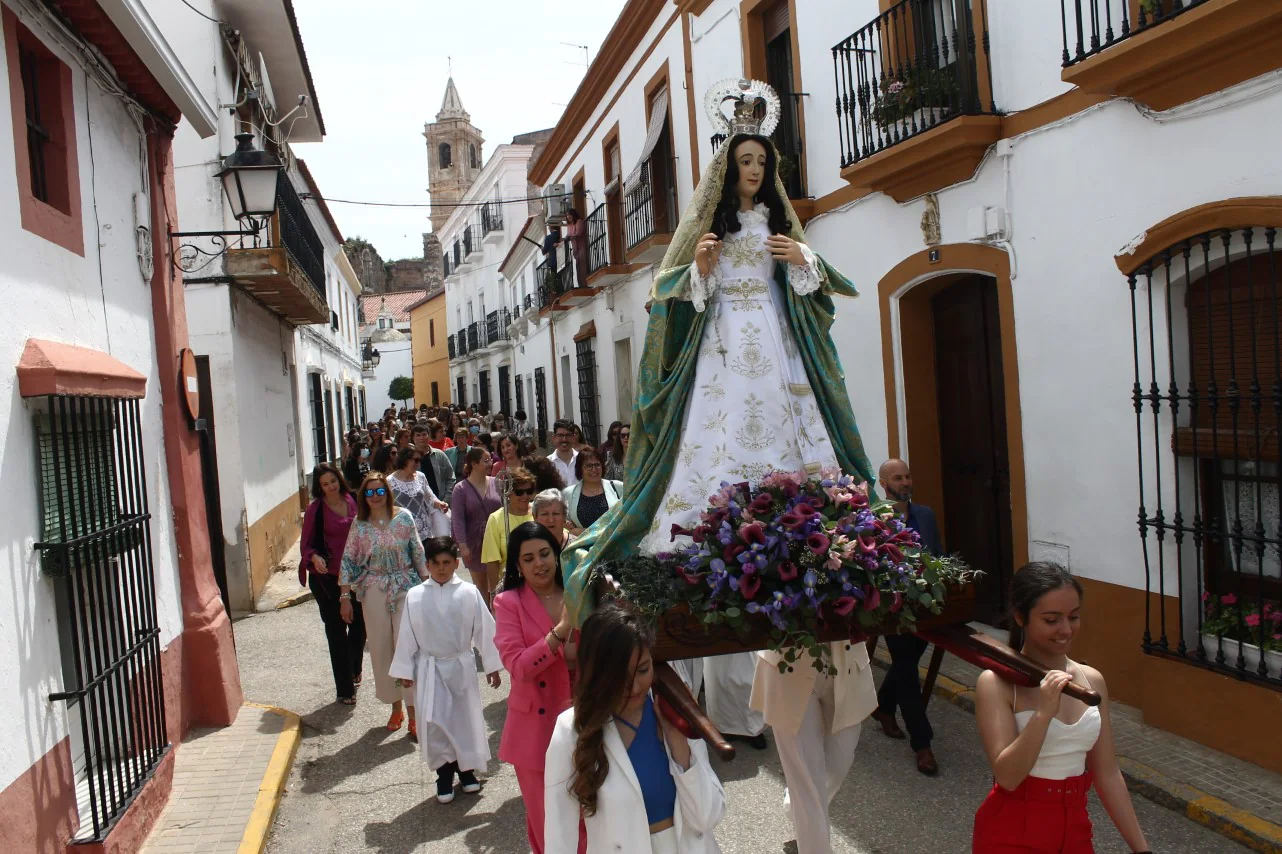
{"type": "Point", "coordinates": [787, 570]}
{"type": "Point", "coordinates": [754, 533]}
{"type": "Point", "coordinates": [749, 585]}
{"type": "Point", "coordinates": [844, 605]}
{"type": "Point", "coordinates": [817, 543]}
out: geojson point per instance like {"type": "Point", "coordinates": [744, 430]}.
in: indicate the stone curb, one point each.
{"type": "Point", "coordinates": [272, 789]}
{"type": "Point", "coordinates": [1207, 810]}
{"type": "Point", "coordinates": [297, 599]}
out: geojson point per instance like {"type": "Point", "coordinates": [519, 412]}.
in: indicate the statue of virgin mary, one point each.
{"type": "Point", "coordinates": [739, 375]}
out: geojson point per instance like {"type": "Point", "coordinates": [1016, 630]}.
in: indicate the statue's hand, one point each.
{"type": "Point", "coordinates": [785, 250]}
{"type": "Point", "coordinates": [707, 254]}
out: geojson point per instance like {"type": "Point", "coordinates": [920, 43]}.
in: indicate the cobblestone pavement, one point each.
{"type": "Point", "coordinates": [356, 787]}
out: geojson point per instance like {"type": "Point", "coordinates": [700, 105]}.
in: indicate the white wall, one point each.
{"type": "Point", "coordinates": [395, 360]}
{"type": "Point", "coordinates": [51, 293]}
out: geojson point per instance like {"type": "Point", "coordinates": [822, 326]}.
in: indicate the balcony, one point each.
{"type": "Point", "coordinates": [915, 109]}
{"type": "Point", "coordinates": [605, 261]}
{"type": "Point", "coordinates": [1163, 53]}
{"type": "Point", "coordinates": [559, 288]}
{"type": "Point", "coordinates": [450, 345]}
{"type": "Point", "coordinates": [496, 324]}
{"type": "Point", "coordinates": [471, 245]}
{"type": "Point", "coordinates": [492, 223]}
{"type": "Point", "coordinates": [649, 215]}
{"type": "Point", "coordinates": [474, 337]}
{"type": "Point", "coordinates": [445, 264]}
{"type": "Point", "coordinates": [288, 274]}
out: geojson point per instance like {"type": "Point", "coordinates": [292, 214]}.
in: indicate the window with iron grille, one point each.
{"type": "Point", "coordinates": [1208, 405]}
{"type": "Point", "coordinates": [541, 406]}
{"type": "Point", "coordinates": [520, 394]}
{"type": "Point", "coordinates": [589, 420]}
{"type": "Point", "coordinates": [331, 427]}
{"type": "Point", "coordinates": [483, 379]}
{"type": "Point", "coordinates": [316, 398]}
{"type": "Point", "coordinates": [462, 392]}
{"type": "Point", "coordinates": [95, 545]}
{"type": "Point", "coordinates": [350, 400]}
{"type": "Point", "coordinates": [364, 415]}
{"type": "Point", "coordinates": [436, 393]}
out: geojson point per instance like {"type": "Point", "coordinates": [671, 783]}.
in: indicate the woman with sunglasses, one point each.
{"type": "Point", "coordinates": [498, 528]}
{"type": "Point", "coordinates": [411, 490]}
{"type": "Point", "coordinates": [617, 453]}
{"type": "Point", "coordinates": [382, 561]}
{"type": "Point", "coordinates": [475, 497]}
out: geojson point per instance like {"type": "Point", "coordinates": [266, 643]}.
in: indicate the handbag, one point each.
{"type": "Point", "coordinates": [318, 543]}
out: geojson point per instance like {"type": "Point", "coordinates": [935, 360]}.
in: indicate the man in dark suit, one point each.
{"type": "Point", "coordinates": [902, 687]}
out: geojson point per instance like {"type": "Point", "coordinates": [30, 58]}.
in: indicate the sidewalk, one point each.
{"type": "Point", "coordinates": [1232, 797]}
{"type": "Point", "coordinates": [227, 785]}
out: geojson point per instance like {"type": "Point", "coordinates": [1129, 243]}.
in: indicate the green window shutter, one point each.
{"type": "Point", "coordinates": [77, 478]}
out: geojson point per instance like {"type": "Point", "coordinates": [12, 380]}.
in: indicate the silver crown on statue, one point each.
{"type": "Point", "coordinates": [753, 107]}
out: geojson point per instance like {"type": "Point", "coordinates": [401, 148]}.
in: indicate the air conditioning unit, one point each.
{"type": "Point", "coordinates": [555, 204]}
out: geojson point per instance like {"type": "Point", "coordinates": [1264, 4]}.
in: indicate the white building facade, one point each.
{"type": "Point", "coordinates": [273, 318]}
{"type": "Point", "coordinates": [1047, 233]}
{"type": "Point", "coordinates": [481, 301]}
{"type": "Point", "coordinates": [118, 641]}
{"type": "Point", "coordinates": [387, 332]}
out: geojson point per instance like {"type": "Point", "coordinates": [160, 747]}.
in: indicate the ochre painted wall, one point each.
{"type": "Point", "coordinates": [269, 538]}
{"type": "Point", "coordinates": [431, 361]}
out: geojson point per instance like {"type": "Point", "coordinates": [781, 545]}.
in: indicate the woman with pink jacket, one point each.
{"type": "Point", "coordinates": [534, 639]}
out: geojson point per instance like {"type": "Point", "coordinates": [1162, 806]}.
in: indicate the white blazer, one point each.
{"type": "Point", "coordinates": [783, 697]}
{"type": "Point", "coordinates": [620, 825]}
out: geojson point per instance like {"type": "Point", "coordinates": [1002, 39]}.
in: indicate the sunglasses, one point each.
{"type": "Point", "coordinates": [525, 492]}
{"type": "Point", "coordinates": [370, 493]}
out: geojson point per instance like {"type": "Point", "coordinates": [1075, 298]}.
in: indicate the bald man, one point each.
{"type": "Point", "coordinates": [901, 687]}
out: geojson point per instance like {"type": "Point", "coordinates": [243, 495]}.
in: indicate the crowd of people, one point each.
{"type": "Point", "coordinates": [599, 765]}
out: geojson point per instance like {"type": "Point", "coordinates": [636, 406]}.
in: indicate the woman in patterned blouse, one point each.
{"type": "Point", "coordinates": [410, 489]}
{"type": "Point", "coordinates": [383, 560]}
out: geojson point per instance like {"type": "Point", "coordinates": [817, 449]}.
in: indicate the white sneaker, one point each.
{"type": "Point", "coordinates": [445, 798]}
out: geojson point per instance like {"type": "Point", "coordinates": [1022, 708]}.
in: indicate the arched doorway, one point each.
{"type": "Point", "coordinates": [953, 405]}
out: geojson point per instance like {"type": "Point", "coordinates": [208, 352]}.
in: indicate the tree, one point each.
{"type": "Point", "coordinates": [402, 389]}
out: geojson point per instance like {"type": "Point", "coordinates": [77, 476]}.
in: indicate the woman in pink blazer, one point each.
{"type": "Point", "coordinates": [533, 635]}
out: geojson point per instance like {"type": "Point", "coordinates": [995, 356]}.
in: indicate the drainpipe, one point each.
{"type": "Point", "coordinates": [556, 368]}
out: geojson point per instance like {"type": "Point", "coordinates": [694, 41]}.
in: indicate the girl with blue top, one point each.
{"type": "Point", "coordinates": [637, 783]}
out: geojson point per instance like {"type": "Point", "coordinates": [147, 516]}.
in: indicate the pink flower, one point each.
{"type": "Point", "coordinates": [844, 605]}
{"type": "Point", "coordinates": [792, 520]}
{"type": "Point", "coordinates": [1228, 599]}
{"type": "Point", "coordinates": [749, 585]}
{"type": "Point", "coordinates": [1206, 595]}
{"type": "Point", "coordinates": [762, 503]}
{"type": "Point", "coordinates": [898, 603]}
{"type": "Point", "coordinates": [692, 578]}
{"type": "Point", "coordinates": [872, 597]}
{"type": "Point", "coordinates": [787, 570]}
{"type": "Point", "coordinates": [833, 563]}
{"type": "Point", "coordinates": [867, 544]}
{"type": "Point", "coordinates": [678, 531]}
{"type": "Point", "coordinates": [732, 551]}
{"type": "Point", "coordinates": [1252, 620]}
{"type": "Point", "coordinates": [753, 533]}
{"type": "Point", "coordinates": [892, 551]}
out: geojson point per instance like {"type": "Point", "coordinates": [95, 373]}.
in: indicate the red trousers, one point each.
{"type": "Point", "coordinates": [1038, 817]}
{"type": "Point", "coordinates": [531, 782]}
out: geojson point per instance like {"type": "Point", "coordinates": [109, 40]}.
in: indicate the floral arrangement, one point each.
{"type": "Point", "coordinates": [801, 553]}
{"type": "Point", "coordinates": [919, 88]}
{"type": "Point", "coordinates": [1224, 617]}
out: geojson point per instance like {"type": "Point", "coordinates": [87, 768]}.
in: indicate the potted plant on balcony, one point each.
{"type": "Point", "coordinates": [1258, 630]}
{"type": "Point", "coordinates": [920, 97]}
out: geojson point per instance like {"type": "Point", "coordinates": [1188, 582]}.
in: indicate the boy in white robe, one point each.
{"type": "Point", "coordinates": [445, 619]}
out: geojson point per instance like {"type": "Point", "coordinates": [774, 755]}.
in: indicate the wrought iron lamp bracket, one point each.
{"type": "Point", "coordinates": [191, 257]}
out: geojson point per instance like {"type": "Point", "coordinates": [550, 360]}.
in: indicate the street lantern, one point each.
{"type": "Point", "coordinates": [249, 178]}
{"type": "Point", "coordinates": [370, 356]}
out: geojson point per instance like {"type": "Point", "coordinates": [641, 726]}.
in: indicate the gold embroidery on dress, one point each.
{"type": "Point", "coordinates": [746, 251]}
{"type": "Point", "coordinates": [800, 389]}
{"type": "Point", "coordinates": [814, 468]}
{"type": "Point", "coordinates": [745, 291]}
{"type": "Point", "coordinates": [677, 504]}
{"type": "Point", "coordinates": [687, 454]}
{"type": "Point", "coordinates": [720, 456]}
{"type": "Point", "coordinates": [752, 361]}
{"type": "Point", "coordinates": [713, 389]}
{"type": "Point", "coordinates": [752, 472]}
{"type": "Point", "coordinates": [715, 421]}
{"type": "Point", "coordinates": [754, 435]}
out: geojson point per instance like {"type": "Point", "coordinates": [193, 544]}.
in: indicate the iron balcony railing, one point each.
{"type": "Point", "coordinates": [555, 275]}
{"type": "Point", "coordinates": [460, 342]}
{"type": "Point", "coordinates": [474, 337]}
{"type": "Point", "coordinates": [445, 264]}
{"type": "Point", "coordinates": [1090, 26]}
{"type": "Point", "coordinates": [642, 211]}
{"type": "Point", "coordinates": [1207, 397]}
{"type": "Point", "coordinates": [491, 217]}
{"type": "Point", "coordinates": [96, 546]}
{"type": "Point", "coordinates": [598, 231]}
{"type": "Point", "coordinates": [298, 237]}
{"type": "Point", "coordinates": [450, 343]}
{"type": "Point", "coordinates": [467, 241]}
{"type": "Point", "coordinates": [531, 302]}
{"type": "Point", "coordinates": [917, 65]}
{"type": "Point", "coordinates": [458, 254]}
{"type": "Point", "coordinates": [496, 324]}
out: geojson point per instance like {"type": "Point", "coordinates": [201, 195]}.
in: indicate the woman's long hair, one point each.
{"type": "Point", "coordinates": [383, 459]}
{"type": "Point", "coordinates": [362, 503]}
{"type": "Point", "coordinates": [617, 453]}
{"type": "Point", "coordinates": [546, 475]}
{"type": "Point", "coordinates": [522, 534]}
{"type": "Point", "coordinates": [474, 455]}
{"type": "Point", "coordinates": [725, 220]}
{"type": "Point", "coordinates": [320, 471]}
{"type": "Point", "coordinates": [609, 637]}
{"type": "Point", "coordinates": [1032, 581]}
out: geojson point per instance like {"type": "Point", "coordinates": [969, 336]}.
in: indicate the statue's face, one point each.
{"type": "Point", "coordinates": [750, 156]}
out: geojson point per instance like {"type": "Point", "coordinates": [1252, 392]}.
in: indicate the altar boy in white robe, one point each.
{"type": "Point", "coordinates": [445, 619]}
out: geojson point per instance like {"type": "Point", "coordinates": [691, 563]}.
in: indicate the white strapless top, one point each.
{"type": "Point", "coordinates": [1064, 750]}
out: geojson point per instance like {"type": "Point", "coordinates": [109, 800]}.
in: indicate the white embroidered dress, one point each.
{"type": "Point", "coordinates": [752, 410]}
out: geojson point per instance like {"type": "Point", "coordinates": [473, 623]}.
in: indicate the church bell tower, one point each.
{"type": "Point", "coordinates": [453, 155]}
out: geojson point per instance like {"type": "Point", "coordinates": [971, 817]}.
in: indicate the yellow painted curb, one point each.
{"type": "Point", "coordinates": [272, 788]}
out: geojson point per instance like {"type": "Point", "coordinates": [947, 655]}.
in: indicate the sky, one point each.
{"type": "Point", "coordinates": [380, 67]}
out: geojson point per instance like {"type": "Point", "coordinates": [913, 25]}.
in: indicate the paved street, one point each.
{"type": "Point", "coordinates": [356, 787]}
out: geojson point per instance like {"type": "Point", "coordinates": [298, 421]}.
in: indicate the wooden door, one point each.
{"type": "Point", "coordinates": [972, 436]}
{"type": "Point", "coordinates": [614, 203]}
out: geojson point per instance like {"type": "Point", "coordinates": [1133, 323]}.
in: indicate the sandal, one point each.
{"type": "Point", "coordinates": [413, 732]}
{"type": "Point", "coordinates": [356, 680]}
{"type": "Point", "coordinates": [395, 721]}
{"type": "Point", "coordinates": [347, 701]}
